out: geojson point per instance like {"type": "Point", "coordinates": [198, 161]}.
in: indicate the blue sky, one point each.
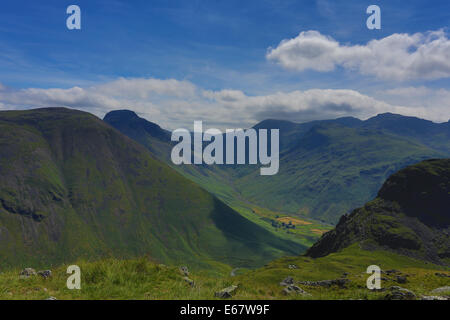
{"type": "Point", "coordinates": [212, 46]}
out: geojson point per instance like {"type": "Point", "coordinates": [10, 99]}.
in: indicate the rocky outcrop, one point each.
{"type": "Point", "coordinates": [410, 216]}
{"type": "Point", "coordinates": [399, 293]}
{"type": "Point", "coordinates": [293, 289]}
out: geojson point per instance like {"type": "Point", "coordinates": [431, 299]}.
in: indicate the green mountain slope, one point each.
{"type": "Point", "coordinates": [332, 169]}
{"type": "Point", "coordinates": [327, 168]}
{"type": "Point", "coordinates": [71, 186]}
{"type": "Point", "coordinates": [410, 216]}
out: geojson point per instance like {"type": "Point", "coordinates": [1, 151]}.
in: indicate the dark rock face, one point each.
{"type": "Point", "coordinates": [422, 191]}
{"type": "Point", "coordinates": [410, 216]}
{"type": "Point", "coordinates": [126, 119]}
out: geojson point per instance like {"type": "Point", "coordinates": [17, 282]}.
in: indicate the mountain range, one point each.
{"type": "Point", "coordinates": [327, 168]}
{"type": "Point", "coordinates": [74, 186]}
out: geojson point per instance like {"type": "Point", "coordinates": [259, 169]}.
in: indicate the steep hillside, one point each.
{"type": "Point", "coordinates": [331, 169]}
{"type": "Point", "coordinates": [410, 216]}
{"type": "Point", "coordinates": [71, 186]}
{"type": "Point", "coordinates": [327, 168]}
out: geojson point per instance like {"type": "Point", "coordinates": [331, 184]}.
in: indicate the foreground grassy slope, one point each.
{"type": "Point", "coordinates": [142, 279]}
{"type": "Point", "coordinates": [71, 186]}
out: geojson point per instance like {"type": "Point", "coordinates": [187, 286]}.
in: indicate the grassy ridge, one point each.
{"type": "Point", "coordinates": [143, 279]}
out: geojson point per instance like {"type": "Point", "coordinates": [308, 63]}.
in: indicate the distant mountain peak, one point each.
{"type": "Point", "coordinates": [122, 114]}
{"type": "Point", "coordinates": [127, 120]}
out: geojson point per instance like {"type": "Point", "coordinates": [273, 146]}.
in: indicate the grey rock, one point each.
{"type": "Point", "coordinates": [184, 271]}
{"type": "Point", "coordinates": [28, 272]}
{"type": "Point", "coordinates": [399, 293]}
{"type": "Point", "coordinates": [326, 283]}
{"type": "Point", "coordinates": [441, 290]}
{"type": "Point", "coordinates": [292, 266]}
{"type": "Point", "coordinates": [51, 298]}
{"type": "Point", "coordinates": [292, 289]}
{"type": "Point", "coordinates": [388, 272]}
{"type": "Point", "coordinates": [189, 281]}
{"type": "Point", "coordinates": [45, 273]}
{"type": "Point", "coordinates": [401, 279]}
{"type": "Point", "coordinates": [439, 274]}
{"type": "Point", "coordinates": [287, 281]}
{"type": "Point", "coordinates": [433, 298]}
{"type": "Point", "coordinates": [226, 293]}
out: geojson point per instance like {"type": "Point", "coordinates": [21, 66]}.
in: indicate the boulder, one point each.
{"type": "Point", "coordinates": [401, 279]}
{"type": "Point", "coordinates": [399, 293]}
{"type": "Point", "coordinates": [184, 271]}
{"type": "Point", "coordinates": [28, 272]}
{"type": "Point", "coordinates": [287, 281]}
{"type": "Point", "coordinates": [226, 293]}
{"type": "Point", "coordinates": [292, 289]}
{"type": "Point", "coordinates": [45, 273]}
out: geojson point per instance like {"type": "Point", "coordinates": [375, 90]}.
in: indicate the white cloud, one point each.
{"type": "Point", "coordinates": [396, 57]}
{"type": "Point", "coordinates": [143, 88]}
{"type": "Point", "coordinates": [174, 104]}
{"type": "Point", "coordinates": [426, 102]}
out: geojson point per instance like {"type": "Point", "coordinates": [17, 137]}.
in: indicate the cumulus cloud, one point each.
{"type": "Point", "coordinates": [174, 104]}
{"type": "Point", "coordinates": [396, 57]}
{"type": "Point", "coordinates": [426, 102]}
